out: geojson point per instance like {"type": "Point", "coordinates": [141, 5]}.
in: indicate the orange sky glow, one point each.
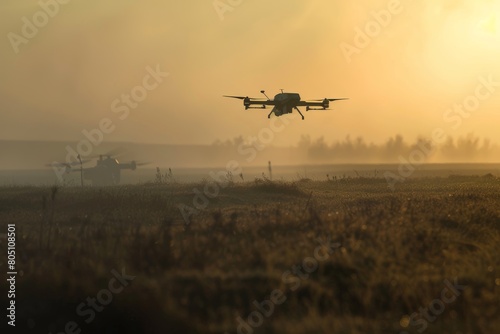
{"type": "Point", "coordinates": [405, 65]}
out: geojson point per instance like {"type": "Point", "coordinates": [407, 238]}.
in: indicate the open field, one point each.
{"type": "Point", "coordinates": [340, 256]}
{"type": "Point", "coordinates": [315, 172]}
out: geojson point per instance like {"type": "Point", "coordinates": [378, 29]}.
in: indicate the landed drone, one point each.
{"type": "Point", "coordinates": [106, 172]}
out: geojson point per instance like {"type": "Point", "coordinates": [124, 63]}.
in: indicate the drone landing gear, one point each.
{"type": "Point", "coordinates": [300, 112]}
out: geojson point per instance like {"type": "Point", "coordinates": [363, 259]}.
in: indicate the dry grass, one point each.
{"type": "Point", "coordinates": [396, 250]}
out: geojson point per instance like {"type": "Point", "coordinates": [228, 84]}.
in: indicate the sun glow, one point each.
{"type": "Point", "coordinates": [487, 23]}
{"type": "Point", "coordinates": [490, 25]}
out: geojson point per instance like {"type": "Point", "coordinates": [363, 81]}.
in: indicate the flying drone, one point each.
{"type": "Point", "coordinates": [284, 103]}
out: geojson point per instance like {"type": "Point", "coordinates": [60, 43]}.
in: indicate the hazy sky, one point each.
{"type": "Point", "coordinates": [424, 58]}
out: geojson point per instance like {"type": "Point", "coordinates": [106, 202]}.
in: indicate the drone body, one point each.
{"type": "Point", "coordinates": [284, 103]}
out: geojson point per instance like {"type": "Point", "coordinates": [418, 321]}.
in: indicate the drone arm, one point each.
{"type": "Point", "coordinates": [260, 102]}
{"type": "Point", "coordinates": [249, 102]}
{"type": "Point", "coordinates": [131, 166]}
{"type": "Point", "coordinates": [319, 104]}
{"type": "Point", "coordinates": [310, 104]}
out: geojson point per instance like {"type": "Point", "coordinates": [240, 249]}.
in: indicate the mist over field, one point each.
{"type": "Point", "coordinates": [468, 149]}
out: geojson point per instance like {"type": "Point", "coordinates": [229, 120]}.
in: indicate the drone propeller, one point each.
{"type": "Point", "coordinates": [235, 97]}
{"type": "Point", "coordinates": [66, 164]}
{"type": "Point", "coordinates": [331, 100]}
{"type": "Point", "coordinates": [58, 164]}
{"type": "Point", "coordinates": [243, 98]}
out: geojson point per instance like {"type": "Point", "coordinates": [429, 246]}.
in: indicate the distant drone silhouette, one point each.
{"type": "Point", "coordinates": [284, 103]}
{"type": "Point", "coordinates": [106, 172]}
